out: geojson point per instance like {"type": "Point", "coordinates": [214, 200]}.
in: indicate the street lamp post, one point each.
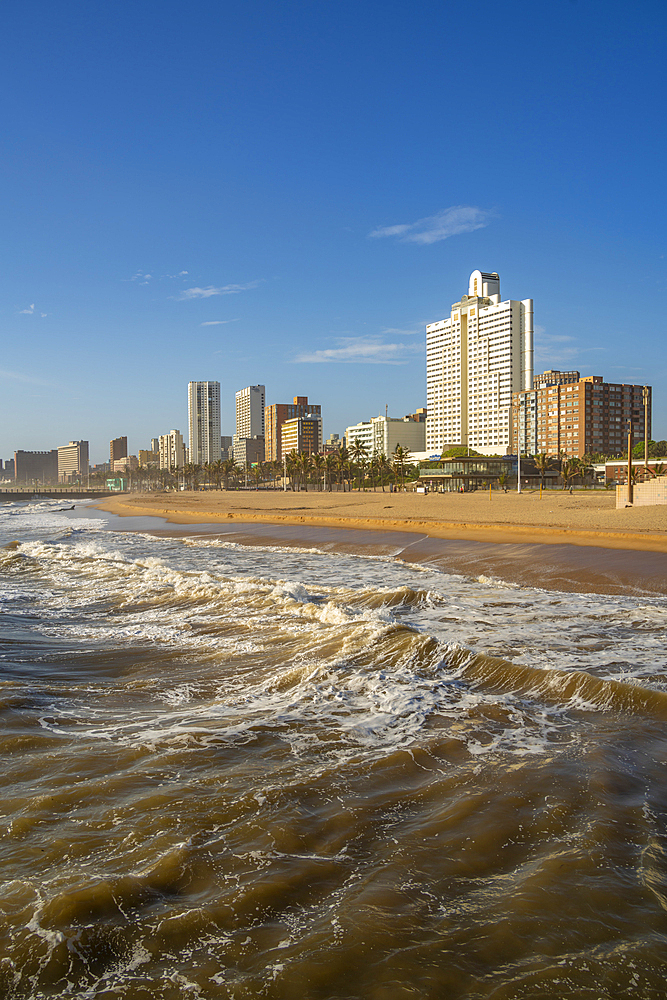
{"type": "Point", "coordinates": [645, 394]}
{"type": "Point", "coordinates": [630, 490]}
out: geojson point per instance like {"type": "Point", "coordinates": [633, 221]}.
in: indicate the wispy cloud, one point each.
{"type": "Point", "coordinates": [402, 333]}
{"type": "Point", "coordinates": [19, 377]}
{"type": "Point", "coordinates": [450, 222]}
{"type": "Point", "coordinates": [141, 277]}
{"type": "Point", "coordinates": [219, 322]}
{"type": "Point", "coordinates": [361, 350]}
{"type": "Point", "coordinates": [210, 290]}
{"type": "Point", "coordinates": [30, 311]}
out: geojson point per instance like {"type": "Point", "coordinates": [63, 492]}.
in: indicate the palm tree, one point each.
{"type": "Point", "coordinates": [359, 454]}
{"type": "Point", "coordinates": [542, 463]}
{"type": "Point", "coordinates": [383, 466]}
{"type": "Point", "coordinates": [317, 463]}
{"type": "Point", "coordinates": [330, 468]}
{"type": "Point", "coordinates": [292, 462]}
{"type": "Point", "coordinates": [570, 468]}
{"type": "Point", "coordinates": [305, 466]}
{"type": "Point", "coordinates": [217, 471]}
{"type": "Point", "coordinates": [342, 461]}
{"type": "Point", "coordinates": [228, 469]}
{"type": "Point", "coordinates": [401, 459]}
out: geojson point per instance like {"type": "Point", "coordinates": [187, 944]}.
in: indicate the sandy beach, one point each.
{"type": "Point", "coordinates": [584, 519]}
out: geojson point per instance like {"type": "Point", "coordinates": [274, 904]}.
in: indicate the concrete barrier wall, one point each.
{"type": "Point", "coordinates": [648, 494]}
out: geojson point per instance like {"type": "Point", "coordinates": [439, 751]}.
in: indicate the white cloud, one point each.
{"type": "Point", "coordinates": [30, 311]}
{"type": "Point", "coordinates": [402, 333]}
{"type": "Point", "coordinates": [141, 277]}
{"type": "Point", "coordinates": [361, 350]}
{"type": "Point", "coordinates": [206, 293]}
{"type": "Point", "coordinates": [450, 222]}
{"type": "Point", "coordinates": [18, 377]}
{"type": "Point", "coordinates": [218, 322]}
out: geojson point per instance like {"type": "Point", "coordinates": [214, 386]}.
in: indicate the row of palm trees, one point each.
{"type": "Point", "coordinates": [345, 467]}
{"type": "Point", "coordinates": [342, 469]}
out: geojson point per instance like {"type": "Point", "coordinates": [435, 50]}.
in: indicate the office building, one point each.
{"type": "Point", "coordinates": [277, 414]}
{"type": "Point", "coordinates": [9, 468]}
{"type": "Point", "coordinates": [36, 467]}
{"type": "Point", "coordinates": [301, 434]}
{"type": "Point", "coordinates": [475, 360]}
{"type": "Point", "coordinates": [382, 435]}
{"type": "Point", "coordinates": [248, 451]}
{"type": "Point", "coordinates": [331, 445]}
{"type": "Point", "coordinates": [117, 449]}
{"type": "Point", "coordinates": [155, 445]}
{"type": "Point", "coordinates": [172, 450]}
{"type": "Point", "coordinates": [555, 377]}
{"type": "Point", "coordinates": [72, 461]}
{"type": "Point", "coordinates": [128, 464]}
{"type": "Point", "coordinates": [577, 418]}
{"type": "Point", "coordinates": [226, 446]}
{"type": "Point", "coordinates": [148, 458]}
{"type": "Point", "coordinates": [204, 421]}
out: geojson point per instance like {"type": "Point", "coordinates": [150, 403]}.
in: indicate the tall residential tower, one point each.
{"type": "Point", "coordinates": [204, 421]}
{"type": "Point", "coordinates": [475, 360]}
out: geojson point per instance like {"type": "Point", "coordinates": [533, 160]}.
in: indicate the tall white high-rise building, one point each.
{"type": "Point", "coordinates": [475, 360]}
{"type": "Point", "coordinates": [204, 421]}
{"type": "Point", "coordinates": [250, 411]}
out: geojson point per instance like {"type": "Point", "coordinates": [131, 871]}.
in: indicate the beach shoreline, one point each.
{"type": "Point", "coordinates": [581, 519]}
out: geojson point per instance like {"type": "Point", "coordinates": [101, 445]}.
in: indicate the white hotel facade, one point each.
{"type": "Point", "coordinates": [475, 360]}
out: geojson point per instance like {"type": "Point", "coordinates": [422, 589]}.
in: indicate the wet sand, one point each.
{"type": "Point", "coordinates": [582, 519]}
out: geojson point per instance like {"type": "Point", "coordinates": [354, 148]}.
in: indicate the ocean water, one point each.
{"type": "Point", "coordinates": [237, 767]}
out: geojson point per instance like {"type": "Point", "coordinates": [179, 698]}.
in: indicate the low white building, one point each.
{"type": "Point", "coordinates": [382, 435]}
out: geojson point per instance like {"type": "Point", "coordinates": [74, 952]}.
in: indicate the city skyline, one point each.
{"type": "Point", "coordinates": [151, 239]}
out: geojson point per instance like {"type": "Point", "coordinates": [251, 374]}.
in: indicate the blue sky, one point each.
{"type": "Point", "coordinates": [286, 193]}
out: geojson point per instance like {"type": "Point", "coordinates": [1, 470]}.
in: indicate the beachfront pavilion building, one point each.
{"type": "Point", "coordinates": [578, 417]}
{"type": "Point", "coordinates": [204, 421]}
{"type": "Point", "coordinates": [451, 475]}
{"type": "Point", "coordinates": [475, 360]}
{"type": "Point", "coordinates": [72, 461]}
{"type": "Point", "coordinates": [277, 414]}
{"type": "Point", "coordinates": [382, 435]}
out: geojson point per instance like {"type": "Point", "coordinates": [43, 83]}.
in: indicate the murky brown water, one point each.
{"type": "Point", "coordinates": [294, 771]}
